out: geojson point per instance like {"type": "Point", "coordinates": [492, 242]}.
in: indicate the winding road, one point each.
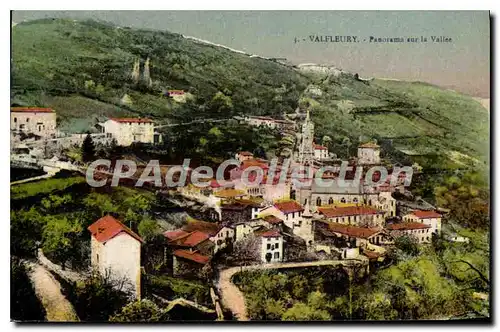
{"type": "Point", "coordinates": [48, 290]}
{"type": "Point", "coordinates": [233, 299]}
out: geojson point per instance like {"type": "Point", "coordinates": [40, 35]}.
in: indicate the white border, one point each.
{"type": "Point", "coordinates": [207, 5]}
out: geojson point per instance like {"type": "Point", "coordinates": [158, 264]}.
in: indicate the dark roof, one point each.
{"type": "Point", "coordinates": [340, 211]}
{"type": "Point", "coordinates": [289, 207]}
{"type": "Point", "coordinates": [107, 227]}
{"type": "Point", "coordinates": [352, 231]}
{"type": "Point", "coordinates": [192, 256]}
{"type": "Point", "coordinates": [209, 228]}
{"type": "Point", "coordinates": [272, 219]}
{"type": "Point", "coordinates": [32, 109]}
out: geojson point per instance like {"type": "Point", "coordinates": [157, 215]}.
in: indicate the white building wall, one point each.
{"type": "Point", "coordinates": [127, 133]}
{"type": "Point", "coordinates": [368, 155]}
{"type": "Point", "coordinates": [120, 257]}
{"type": "Point", "coordinates": [222, 238]}
{"type": "Point", "coordinates": [38, 123]}
{"type": "Point", "coordinates": [273, 246]}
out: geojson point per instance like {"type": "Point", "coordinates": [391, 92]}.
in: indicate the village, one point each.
{"type": "Point", "coordinates": [264, 224]}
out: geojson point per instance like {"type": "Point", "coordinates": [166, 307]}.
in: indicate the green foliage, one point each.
{"type": "Point", "coordinates": [92, 61]}
{"type": "Point", "coordinates": [143, 311]}
{"type": "Point", "coordinates": [25, 190]}
{"type": "Point", "coordinates": [101, 202]}
{"type": "Point", "coordinates": [25, 232]}
{"type": "Point", "coordinates": [60, 236]}
{"type": "Point", "coordinates": [96, 299]}
{"type": "Point", "coordinates": [407, 244]}
{"type": "Point", "coordinates": [148, 229]}
{"type": "Point", "coordinates": [170, 288]}
{"type": "Point", "coordinates": [88, 149]}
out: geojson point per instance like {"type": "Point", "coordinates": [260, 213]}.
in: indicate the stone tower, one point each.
{"type": "Point", "coordinates": [135, 72]}
{"type": "Point", "coordinates": [306, 151]}
{"type": "Point", "coordinates": [146, 76]}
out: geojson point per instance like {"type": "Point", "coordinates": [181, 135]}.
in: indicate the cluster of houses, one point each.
{"type": "Point", "coordinates": [262, 221]}
{"type": "Point", "coordinates": [268, 223]}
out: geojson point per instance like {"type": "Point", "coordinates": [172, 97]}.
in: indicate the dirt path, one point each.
{"type": "Point", "coordinates": [233, 299]}
{"type": "Point", "coordinates": [48, 290]}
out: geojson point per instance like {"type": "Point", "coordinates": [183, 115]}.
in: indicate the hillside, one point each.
{"type": "Point", "coordinates": [83, 70]}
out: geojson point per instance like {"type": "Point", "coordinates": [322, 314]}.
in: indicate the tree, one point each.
{"type": "Point", "coordinates": [148, 228]}
{"type": "Point", "coordinates": [407, 244]}
{"type": "Point", "coordinates": [301, 311]}
{"type": "Point", "coordinates": [88, 149]}
{"type": "Point", "coordinates": [140, 311]}
{"type": "Point", "coordinates": [97, 298]}
{"type": "Point", "coordinates": [60, 237]}
{"type": "Point", "coordinates": [25, 232]}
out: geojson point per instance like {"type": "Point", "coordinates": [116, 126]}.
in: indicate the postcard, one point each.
{"type": "Point", "coordinates": [217, 166]}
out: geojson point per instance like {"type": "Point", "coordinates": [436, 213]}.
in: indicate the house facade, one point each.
{"type": "Point", "coordinates": [431, 218]}
{"type": "Point", "coordinates": [116, 253]}
{"type": "Point", "coordinates": [320, 152]}
{"type": "Point", "coordinates": [356, 215]}
{"type": "Point", "coordinates": [33, 120]}
{"type": "Point", "coordinates": [271, 247]}
{"type": "Point", "coordinates": [419, 231]}
{"type": "Point", "coordinates": [369, 154]}
{"type": "Point", "coordinates": [129, 130]}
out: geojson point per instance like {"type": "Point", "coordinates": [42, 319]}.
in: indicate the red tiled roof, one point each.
{"type": "Point", "coordinates": [192, 256]}
{"type": "Point", "coordinates": [209, 228]}
{"type": "Point", "coordinates": [254, 162]}
{"type": "Point", "coordinates": [190, 240]}
{"type": "Point", "coordinates": [340, 211]}
{"type": "Point", "coordinates": [289, 207]}
{"type": "Point", "coordinates": [320, 147]}
{"type": "Point", "coordinates": [353, 231]}
{"type": "Point", "coordinates": [131, 120]}
{"type": "Point", "coordinates": [107, 227]}
{"type": "Point", "coordinates": [172, 235]}
{"type": "Point", "coordinates": [245, 153]}
{"type": "Point", "coordinates": [272, 220]}
{"type": "Point", "coordinates": [407, 226]}
{"type": "Point", "coordinates": [421, 214]}
{"type": "Point", "coordinates": [271, 233]}
{"type": "Point", "coordinates": [32, 109]}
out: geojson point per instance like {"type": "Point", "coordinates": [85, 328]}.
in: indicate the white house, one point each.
{"type": "Point", "coordinates": [116, 253]}
{"type": "Point", "coordinates": [288, 210]}
{"type": "Point", "coordinates": [431, 218]}
{"type": "Point", "coordinates": [129, 130]}
{"type": "Point", "coordinates": [320, 152]}
{"type": "Point", "coordinates": [357, 215]}
{"type": "Point", "coordinates": [369, 154]}
{"type": "Point", "coordinates": [271, 247]}
{"type": "Point", "coordinates": [33, 120]}
{"type": "Point", "coordinates": [421, 232]}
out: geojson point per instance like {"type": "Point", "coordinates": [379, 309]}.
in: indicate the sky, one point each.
{"type": "Point", "coordinates": [462, 64]}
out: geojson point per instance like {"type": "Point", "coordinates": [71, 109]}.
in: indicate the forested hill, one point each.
{"type": "Point", "coordinates": [83, 68]}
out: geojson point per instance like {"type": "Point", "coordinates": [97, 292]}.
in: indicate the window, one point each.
{"type": "Point", "coordinates": [277, 246]}
{"type": "Point", "coordinates": [343, 200]}
{"type": "Point", "coordinates": [276, 255]}
{"type": "Point", "coordinates": [15, 120]}
{"type": "Point", "coordinates": [27, 119]}
{"type": "Point", "coordinates": [355, 200]}
{"type": "Point", "coordinates": [330, 201]}
{"type": "Point", "coordinates": [97, 258]}
{"type": "Point", "coordinates": [268, 246]}
{"type": "Point", "coordinates": [318, 201]}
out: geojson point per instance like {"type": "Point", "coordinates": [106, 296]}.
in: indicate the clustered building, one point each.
{"type": "Point", "coordinates": [266, 222]}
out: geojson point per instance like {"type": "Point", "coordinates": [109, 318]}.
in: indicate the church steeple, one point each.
{"type": "Point", "coordinates": [306, 151]}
